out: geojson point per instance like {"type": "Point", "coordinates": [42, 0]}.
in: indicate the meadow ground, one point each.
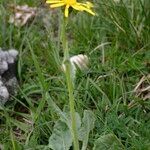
{"type": "Point", "coordinates": [117, 42]}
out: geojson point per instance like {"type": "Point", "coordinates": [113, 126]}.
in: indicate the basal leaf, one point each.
{"type": "Point", "coordinates": [109, 141]}
{"type": "Point", "coordinates": [61, 138]}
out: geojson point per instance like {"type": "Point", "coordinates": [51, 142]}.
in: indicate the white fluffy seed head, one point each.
{"type": "Point", "coordinates": [78, 61]}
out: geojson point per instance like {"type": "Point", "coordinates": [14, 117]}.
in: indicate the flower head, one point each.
{"type": "Point", "coordinates": [71, 3]}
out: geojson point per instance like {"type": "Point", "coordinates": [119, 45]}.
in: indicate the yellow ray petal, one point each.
{"type": "Point", "coordinates": [53, 1]}
{"type": "Point", "coordinates": [57, 5]}
{"type": "Point", "coordinates": [71, 3]}
{"type": "Point", "coordinates": [90, 11]}
{"type": "Point", "coordinates": [78, 7]}
{"type": "Point", "coordinates": [67, 10]}
{"type": "Point", "coordinates": [89, 5]}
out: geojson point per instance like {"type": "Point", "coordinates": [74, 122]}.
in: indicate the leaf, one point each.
{"type": "Point", "coordinates": [109, 141]}
{"type": "Point", "coordinates": [61, 138]}
{"type": "Point", "coordinates": [66, 113]}
{"type": "Point", "coordinates": [87, 125]}
{"type": "Point", "coordinates": [23, 126]}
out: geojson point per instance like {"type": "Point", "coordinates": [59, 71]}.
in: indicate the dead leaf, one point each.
{"type": "Point", "coordinates": [22, 14]}
{"type": "Point", "coordinates": [142, 88]}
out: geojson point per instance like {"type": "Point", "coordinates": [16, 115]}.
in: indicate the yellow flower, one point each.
{"type": "Point", "coordinates": [71, 3]}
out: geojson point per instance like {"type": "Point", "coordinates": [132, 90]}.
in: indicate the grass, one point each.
{"type": "Point", "coordinates": [117, 43]}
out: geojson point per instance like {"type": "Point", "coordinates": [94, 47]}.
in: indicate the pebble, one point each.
{"type": "Point", "coordinates": [7, 58]}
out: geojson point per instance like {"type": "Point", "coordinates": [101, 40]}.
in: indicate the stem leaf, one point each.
{"type": "Point", "coordinates": [88, 122]}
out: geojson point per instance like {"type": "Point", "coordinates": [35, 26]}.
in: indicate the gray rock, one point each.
{"type": "Point", "coordinates": [8, 80]}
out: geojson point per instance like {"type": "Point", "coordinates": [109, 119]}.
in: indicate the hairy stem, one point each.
{"type": "Point", "coordinates": [69, 81]}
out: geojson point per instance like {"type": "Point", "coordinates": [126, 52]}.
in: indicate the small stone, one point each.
{"type": "Point", "coordinates": [3, 67]}
{"type": "Point", "coordinates": [8, 80]}
{"type": "Point", "coordinates": [3, 92]}
{"type": "Point", "coordinates": [13, 53]}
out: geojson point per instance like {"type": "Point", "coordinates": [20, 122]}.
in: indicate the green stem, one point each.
{"type": "Point", "coordinates": [69, 80]}
{"type": "Point", "coordinates": [72, 105]}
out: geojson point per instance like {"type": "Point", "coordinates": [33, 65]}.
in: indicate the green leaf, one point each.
{"type": "Point", "coordinates": [109, 141]}
{"type": "Point", "coordinates": [23, 126]}
{"type": "Point", "coordinates": [87, 125]}
{"type": "Point", "coordinates": [66, 113]}
{"type": "Point", "coordinates": [61, 138]}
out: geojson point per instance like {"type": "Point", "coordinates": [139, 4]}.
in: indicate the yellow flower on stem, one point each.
{"type": "Point", "coordinates": [71, 3]}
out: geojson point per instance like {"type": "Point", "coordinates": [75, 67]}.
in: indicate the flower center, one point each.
{"type": "Point", "coordinates": [69, 2]}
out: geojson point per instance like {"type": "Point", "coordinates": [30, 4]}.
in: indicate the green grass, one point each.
{"type": "Point", "coordinates": [117, 42]}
